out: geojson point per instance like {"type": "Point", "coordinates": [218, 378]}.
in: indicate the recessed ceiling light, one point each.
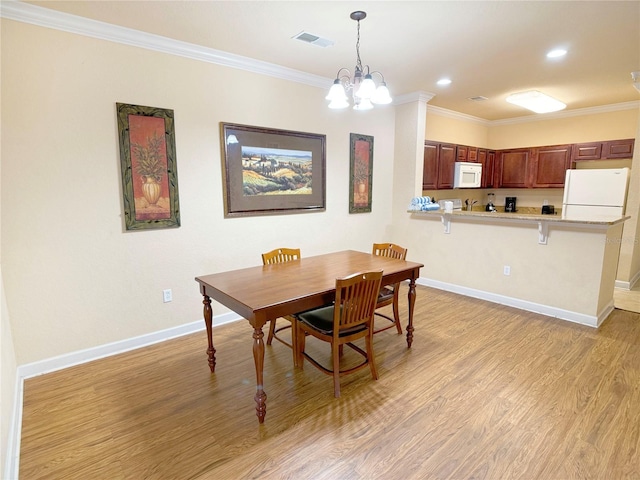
{"type": "Point", "coordinates": [558, 52]}
{"type": "Point", "coordinates": [443, 81]}
{"type": "Point", "coordinates": [536, 101]}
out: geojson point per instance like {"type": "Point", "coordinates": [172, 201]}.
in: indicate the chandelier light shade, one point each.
{"type": "Point", "coordinates": [364, 91]}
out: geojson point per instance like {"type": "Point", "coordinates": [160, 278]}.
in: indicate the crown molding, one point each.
{"type": "Point", "coordinates": [614, 107]}
{"type": "Point", "coordinates": [45, 17]}
{"type": "Point", "coordinates": [443, 112]}
{"type": "Point", "coordinates": [419, 96]}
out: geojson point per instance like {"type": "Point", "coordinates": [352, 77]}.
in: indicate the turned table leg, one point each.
{"type": "Point", "coordinates": [412, 301]}
{"type": "Point", "coordinates": [208, 321]}
{"type": "Point", "coordinates": [258, 358]}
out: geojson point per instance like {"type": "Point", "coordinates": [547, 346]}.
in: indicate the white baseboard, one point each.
{"type": "Point", "coordinates": [83, 356]}
{"type": "Point", "coordinates": [628, 285]}
{"type": "Point", "coordinates": [575, 317]}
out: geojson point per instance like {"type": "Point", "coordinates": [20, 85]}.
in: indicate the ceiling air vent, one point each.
{"type": "Point", "coordinates": [313, 39]}
{"type": "Point", "coordinates": [479, 98]}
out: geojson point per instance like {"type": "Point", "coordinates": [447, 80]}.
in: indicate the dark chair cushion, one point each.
{"type": "Point", "coordinates": [386, 293]}
{"type": "Point", "coordinates": [321, 319]}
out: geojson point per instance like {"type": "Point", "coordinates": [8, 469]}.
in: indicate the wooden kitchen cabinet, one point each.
{"type": "Point", "coordinates": [430, 167]}
{"type": "Point", "coordinates": [603, 150]}
{"type": "Point", "coordinates": [512, 168]}
{"type": "Point", "coordinates": [488, 160]}
{"type": "Point", "coordinates": [438, 165]}
{"type": "Point", "coordinates": [531, 167]}
{"type": "Point", "coordinates": [462, 153]}
{"type": "Point", "coordinates": [618, 148]}
{"type": "Point", "coordinates": [587, 151]}
{"type": "Point", "coordinates": [549, 166]}
{"type": "Point", "coordinates": [446, 165]}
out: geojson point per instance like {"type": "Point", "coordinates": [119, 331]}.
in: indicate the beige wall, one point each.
{"type": "Point", "coordinates": [590, 127]}
{"type": "Point", "coordinates": [445, 126]}
{"type": "Point", "coordinates": [73, 278]}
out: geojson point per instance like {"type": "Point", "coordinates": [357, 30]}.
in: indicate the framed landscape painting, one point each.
{"type": "Point", "coordinates": [361, 173]}
{"type": "Point", "coordinates": [271, 172]}
{"type": "Point", "coordinates": [148, 167]}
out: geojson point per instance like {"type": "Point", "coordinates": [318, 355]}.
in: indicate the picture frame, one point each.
{"type": "Point", "coordinates": [268, 171]}
{"type": "Point", "coordinates": [148, 167]}
{"type": "Point", "coordinates": [360, 173]}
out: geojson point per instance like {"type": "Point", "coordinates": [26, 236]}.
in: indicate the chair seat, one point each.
{"type": "Point", "coordinates": [322, 320]}
{"type": "Point", "coordinates": [386, 293]}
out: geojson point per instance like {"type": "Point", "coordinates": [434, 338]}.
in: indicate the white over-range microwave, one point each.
{"type": "Point", "coordinates": [467, 175]}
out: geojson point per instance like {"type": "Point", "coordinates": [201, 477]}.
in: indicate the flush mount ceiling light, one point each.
{"type": "Point", "coordinates": [444, 81]}
{"type": "Point", "coordinates": [536, 101]}
{"type": "Point", "coordinates": [362, 87]}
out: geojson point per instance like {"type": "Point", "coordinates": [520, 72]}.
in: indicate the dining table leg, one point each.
{"type": "Point", "coordinates": [258, 358]}
{"type": "Point", "coordinates": [208, 321]}
{"type": "Point", "coordinates": [412, 302]}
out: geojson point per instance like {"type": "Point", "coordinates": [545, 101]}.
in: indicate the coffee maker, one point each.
{"type": "Point", "coordinates": [510, 204]}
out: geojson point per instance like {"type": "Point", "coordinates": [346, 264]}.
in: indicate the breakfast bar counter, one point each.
{"type": "Point", "coordinates": [560, 266]}
{"type": "Point", "coordinates": [542, 221]}
{"type": "Point", "coordinates": [528, 217]}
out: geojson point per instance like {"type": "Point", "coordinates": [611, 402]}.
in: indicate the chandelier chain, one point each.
{"type": "Point", "coordinates": [358, 62]}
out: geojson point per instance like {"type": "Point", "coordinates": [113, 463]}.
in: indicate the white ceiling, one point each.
{"type": "Point", "coordinates": [489, 49]}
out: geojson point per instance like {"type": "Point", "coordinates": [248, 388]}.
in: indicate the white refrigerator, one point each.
{"type": "Point", "coordinates": [595, 193]}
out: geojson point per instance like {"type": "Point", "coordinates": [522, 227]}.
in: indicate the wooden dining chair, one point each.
{"type": "Point", "coordinates": [389, 293]}
{"type": "Point", "coordinates": [280, 255]}
{"type": "Point", "coordinates": [348, 319]}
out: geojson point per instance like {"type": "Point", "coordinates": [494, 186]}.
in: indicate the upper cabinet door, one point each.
{"type": "Point", "coordinates": [587, 151]}
{"type": "Point", "coordinates": [430, 166]}
{"type": "Point", "coordinates": [618, 148]}
{"type": "Point", "coordinates": [549, 166]}
{"type": "Point", "coordinates": [512, 168]}
{"type": "Point", "coordinates": [446, 165]}
{"type": "Point", "coordinates": [603, 150]}
{"type": "Point", "coordinates": [462, 152]}
{"type": "Point", "coordinates": [488, 160]}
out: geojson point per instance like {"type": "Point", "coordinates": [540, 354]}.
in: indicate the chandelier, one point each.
{"type": "Point", "coordinates": [363, 89]}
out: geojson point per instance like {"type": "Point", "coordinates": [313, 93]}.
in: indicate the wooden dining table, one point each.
{"type": "Point", "coordinates": [263, 293]}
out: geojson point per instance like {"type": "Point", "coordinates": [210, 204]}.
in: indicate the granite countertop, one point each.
{"type": "Point", "coordinates": [525, 214]}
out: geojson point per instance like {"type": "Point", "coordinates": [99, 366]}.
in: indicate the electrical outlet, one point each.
{"type": "Point", "coordinates": [166, 295]}
{"type": "Point", "coordinates": [507, 270]}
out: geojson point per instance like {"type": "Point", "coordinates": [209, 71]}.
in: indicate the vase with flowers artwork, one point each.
{"type": "Point", "coordinates": [149, 165]}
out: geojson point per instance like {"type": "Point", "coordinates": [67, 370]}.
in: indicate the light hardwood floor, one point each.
{"type": "Point", "coordinates": [486, 391]}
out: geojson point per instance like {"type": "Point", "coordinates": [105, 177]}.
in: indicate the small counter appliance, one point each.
{"type": "Point", "coordinates": [548, 210]}
{"type": "Point", "coordinates": [456, 204]}
{"type": "Point", "coordinates": [510, 204]}
{"type": "Point", "coordinates": [467, 175]}
{"type": "Point", "coordinates": [491, 202]}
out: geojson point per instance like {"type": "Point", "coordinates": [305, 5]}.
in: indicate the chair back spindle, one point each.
{"type": "Point", "coordinates": [280, 255]}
